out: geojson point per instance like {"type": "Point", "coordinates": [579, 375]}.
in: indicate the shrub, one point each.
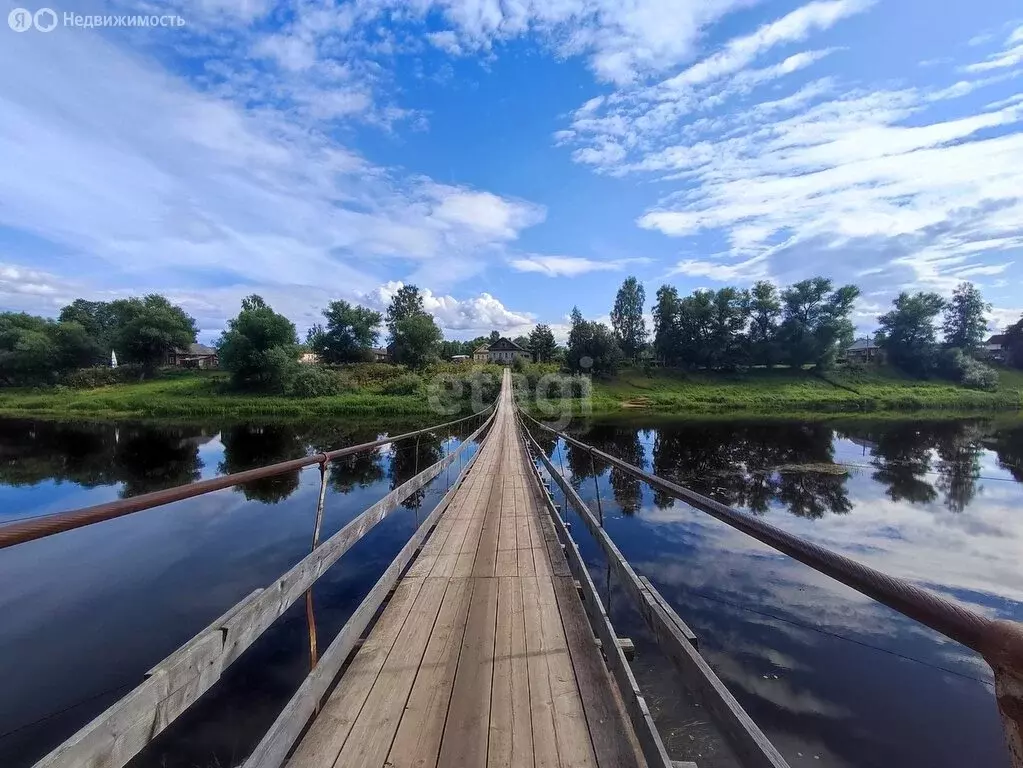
{"type": "Point", "coordinates": [518, 365]}
{"type": "Point", "coordinates": [406, 384]}
{"type": "Point", "coordinates": [315, 381]}
{"type": "Point", "coordinates": [971, 373]}
{"type": "Point", "coordinates": [100, 376]}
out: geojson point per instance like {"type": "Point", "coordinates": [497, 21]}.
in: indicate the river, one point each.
{"type": "Point", "coordinates": [833, 678]}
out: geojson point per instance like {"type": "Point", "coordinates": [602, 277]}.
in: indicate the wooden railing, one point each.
{"type": "Point", "coordinates": [170, 687]}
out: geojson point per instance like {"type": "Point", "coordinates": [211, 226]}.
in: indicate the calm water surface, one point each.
{"type": "Point", "coordinates": [832, 677]}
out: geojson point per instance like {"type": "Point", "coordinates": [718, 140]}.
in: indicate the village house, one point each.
{"type": "Point", "coordinates": [506, 351]}
{"type": "Point", "coordinates": [863, 350]}
{"type": "Point", "coordinates": [196, 356]}
{"type": "Point", "coordinates": [481, 354]}
{"type": "Point", "coordinates": [996, 347]}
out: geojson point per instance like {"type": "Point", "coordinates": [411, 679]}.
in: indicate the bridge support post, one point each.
{"type": "Point", "coordinates": [1004, 652]}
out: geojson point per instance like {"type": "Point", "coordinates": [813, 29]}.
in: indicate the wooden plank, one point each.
{"type": "Point", "coordinates": [541, 700]}
{"type": "Point", "coordinates": [670, 613]}
{"type": "Point", "coordinates": [273, 748]}
{"type": "Point", "coordinates": [486, 553]}
{"type": "Point", "coordinates": [511, 730]}
{"type": "Point", "coordinates": [329, 731]}
{"type": "Point", "coordinates": [507, 563]}
{"type": "Point", "coordinates": [611, 745]}
{"type": "Point", "coordinates": [466, 731]}
{"type": "Point", "coordinates": [574, 745]}
{"type": "Point", "coordinates": [417, 741]}
{"type": "Point", "coordinates": [743, 734]}
{"type": "Point", "coordinates": [371, 736]}
{"type": "Point", "coordinates": [525, 562]}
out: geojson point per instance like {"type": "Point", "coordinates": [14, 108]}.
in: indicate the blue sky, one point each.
{"type": "Point", "coordinates": [513, 157]}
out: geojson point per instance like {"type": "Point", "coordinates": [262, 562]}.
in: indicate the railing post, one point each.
{"type": "Point", "coordinates": [1004, 653]}
{"type": "Point", "coordinates": [310, 616]}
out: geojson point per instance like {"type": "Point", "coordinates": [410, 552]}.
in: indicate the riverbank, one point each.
{"type": "Point", "coordinates": [783, 391]}
{"type": "Point", "coordinates": [198, 395]}
{"type": "Point", "coordinates": [776, 392]}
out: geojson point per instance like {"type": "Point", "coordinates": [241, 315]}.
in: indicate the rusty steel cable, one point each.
{"type": "Point", "coordinates": [998, 641]}
{"type": "Point", "coordinates": [30, 529]}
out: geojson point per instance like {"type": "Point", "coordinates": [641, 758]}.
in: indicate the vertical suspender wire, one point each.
{"type": "Point", "coordinates": [310, 616]}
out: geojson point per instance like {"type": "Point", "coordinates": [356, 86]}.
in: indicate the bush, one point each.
{"type": "Point", "coordinates": [971, 373]}
{"type": "Point", "coordinates": [101, 376]}
{"type": "Point", "coordinates": [518, 365]}
{"type": "Point", "coordinates": [314, 381]}
{"type": "Point", "coordinates": [406, 384]}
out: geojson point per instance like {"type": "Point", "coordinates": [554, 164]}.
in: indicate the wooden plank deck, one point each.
{"type": "Point", "coordinates": [483, 656]}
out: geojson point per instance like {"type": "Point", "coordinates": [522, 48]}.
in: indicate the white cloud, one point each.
{"type": "Point", "coordinates": [740, 51]}
{"type": "Point", "coordinates": [567, 266]}
{"type": "Point", "coordinates": [447, 41]}
{"type": "Point", "coordinates": [1009, 56]}
{"type": "Point", "coordinates": [467, 317]}
{"type": "Point", "coordinates": [154, 185]}
{"type": "Point", "coordinates": [744, 271]}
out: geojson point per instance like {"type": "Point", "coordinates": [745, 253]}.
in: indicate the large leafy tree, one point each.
{"type": "Point", "coordinates": [35, 350]}
{"type": "Point", "coordinates": [259, 347]}
{"type": "Point", "coordinates": [592, 347]}
{"type": "Point", "coordinates": [542, 343]}
{"type": "Point", "coordinates": [816, 321]}
{"type": "Point", "coordinates": [964, 323]}
{"type": "Point", "coordinates": [728, 318]}
{"type": "Point", "coordinates": [667, 312]}
{"type": "Point", "coordinates": [98, 318]}
{"type": "Point", "coordinates": [907, 333]}
{"type": "Point", "coordinates": [627, 318]}
{"type": "Point", "coordinates": [147, 329]}
{"type": "Point", "coordinates": [351, 330]}
{"type": "Point", "coordinates": [765, 311]}
{"type": "Point", "coordinates": [414, 335]}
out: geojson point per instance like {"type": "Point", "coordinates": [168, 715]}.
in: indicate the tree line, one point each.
{"type": "Point", "coordinates": [803, 324]}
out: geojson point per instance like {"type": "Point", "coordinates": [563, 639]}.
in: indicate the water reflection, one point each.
{"type": "Point", "coordinates": [248, 446]}
{"type": "Point", "coordinates": [830, 675]}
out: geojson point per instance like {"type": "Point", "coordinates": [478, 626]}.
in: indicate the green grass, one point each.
{"type": "Point", "coordinates": [787, 391]}
{"type": "Point", "coordinates": [197, 395]}
{"type": "Point", "coordinates": [182, 394]}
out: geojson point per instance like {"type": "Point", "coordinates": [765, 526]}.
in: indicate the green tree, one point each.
{"type": "Point", "coordinates": [27, 349]}
{"type": "Point", "coordinates": [149, 328]}
{"type": "Point", "coordinates": [522, 341]}
{"type": "Point", "coordinates": [75, 347]}
{"type": "Point", "coordinates": [415, 340]}
{"type": "Point", "coordinates": [495, 336]}
{"type": "Point", "coordinates": [542, 344]}
{"type": "Point", "coordinates": [666, 312]}
{"type": "Point", "coordinates": [728, 319]}
{"type": "Point", "coordinates": [350, 332]}
{"type": "Point", "coordinates": [965, 325]}
{"type": "Point", "coordinates": [98, 318]}
{"type": "Point", "coordinates": [408, 301]}
{"type": "Point", "coordinates": [908, 334]}
{"type": "Point", "coordinates": [765, 310]}
{"type": "Point", "coordinates": [627, 317]}
{"type": "Point", "coordinates": [695, 318]}
{"type": "Point", "coordinates": [816, 321]}
{"type": "Point", "coordinates": [1014, 343]}
{"type": "Point", "coordinates": [592, 347]}
{"type": "Point", "coordinates": [259, 347]}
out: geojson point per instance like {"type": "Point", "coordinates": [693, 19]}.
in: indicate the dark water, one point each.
{"type": "Point", "coordinates": [833, 678]}
{"type": "Point", "coordinates": [84, 614]}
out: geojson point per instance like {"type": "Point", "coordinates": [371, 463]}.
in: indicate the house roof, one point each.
{"type": "Point", "coordinates": [998, 338]}
{"type": "Point", "coordinates": [197, 349]}
{"type": "Point", "coordinates": [481, 348]}
{"type": "Point", "coordinates": [862, 343]}
{"type": "Point", "coordinates": [504, 345]}
{"type": "Point", "coordinates": [380, 350]}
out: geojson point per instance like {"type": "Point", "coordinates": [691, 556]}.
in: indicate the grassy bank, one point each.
{"type": "Point", "coordinates": [778, 392]}
{"type": "Point", "coordinates": [198, 395]}
{"type": "Point", "coordinates": [785, 391]}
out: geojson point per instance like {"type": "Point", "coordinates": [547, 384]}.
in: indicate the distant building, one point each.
{"type": "Point", "coordinates": [863, 350]}
{"type": "Point", "coordinates": [997, 347]}
{"type": "Point", "coordinates": [460, 358]}
{"type": "Point", "coordinates": [380, 354]}
{"type": "Point", "coordinates": [506, 351]}
{"type": "Point", "coordinates": [309, 358]}
{"type": "Point", "coordinates": [481, 354]}
{"type": "Point", "coordinates": [196, 356]}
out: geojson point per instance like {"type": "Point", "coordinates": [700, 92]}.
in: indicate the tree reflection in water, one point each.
{"type": "Point", "coordinates": [411, 456]}
{"type": "Point", "coordinates": [249, 446]}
